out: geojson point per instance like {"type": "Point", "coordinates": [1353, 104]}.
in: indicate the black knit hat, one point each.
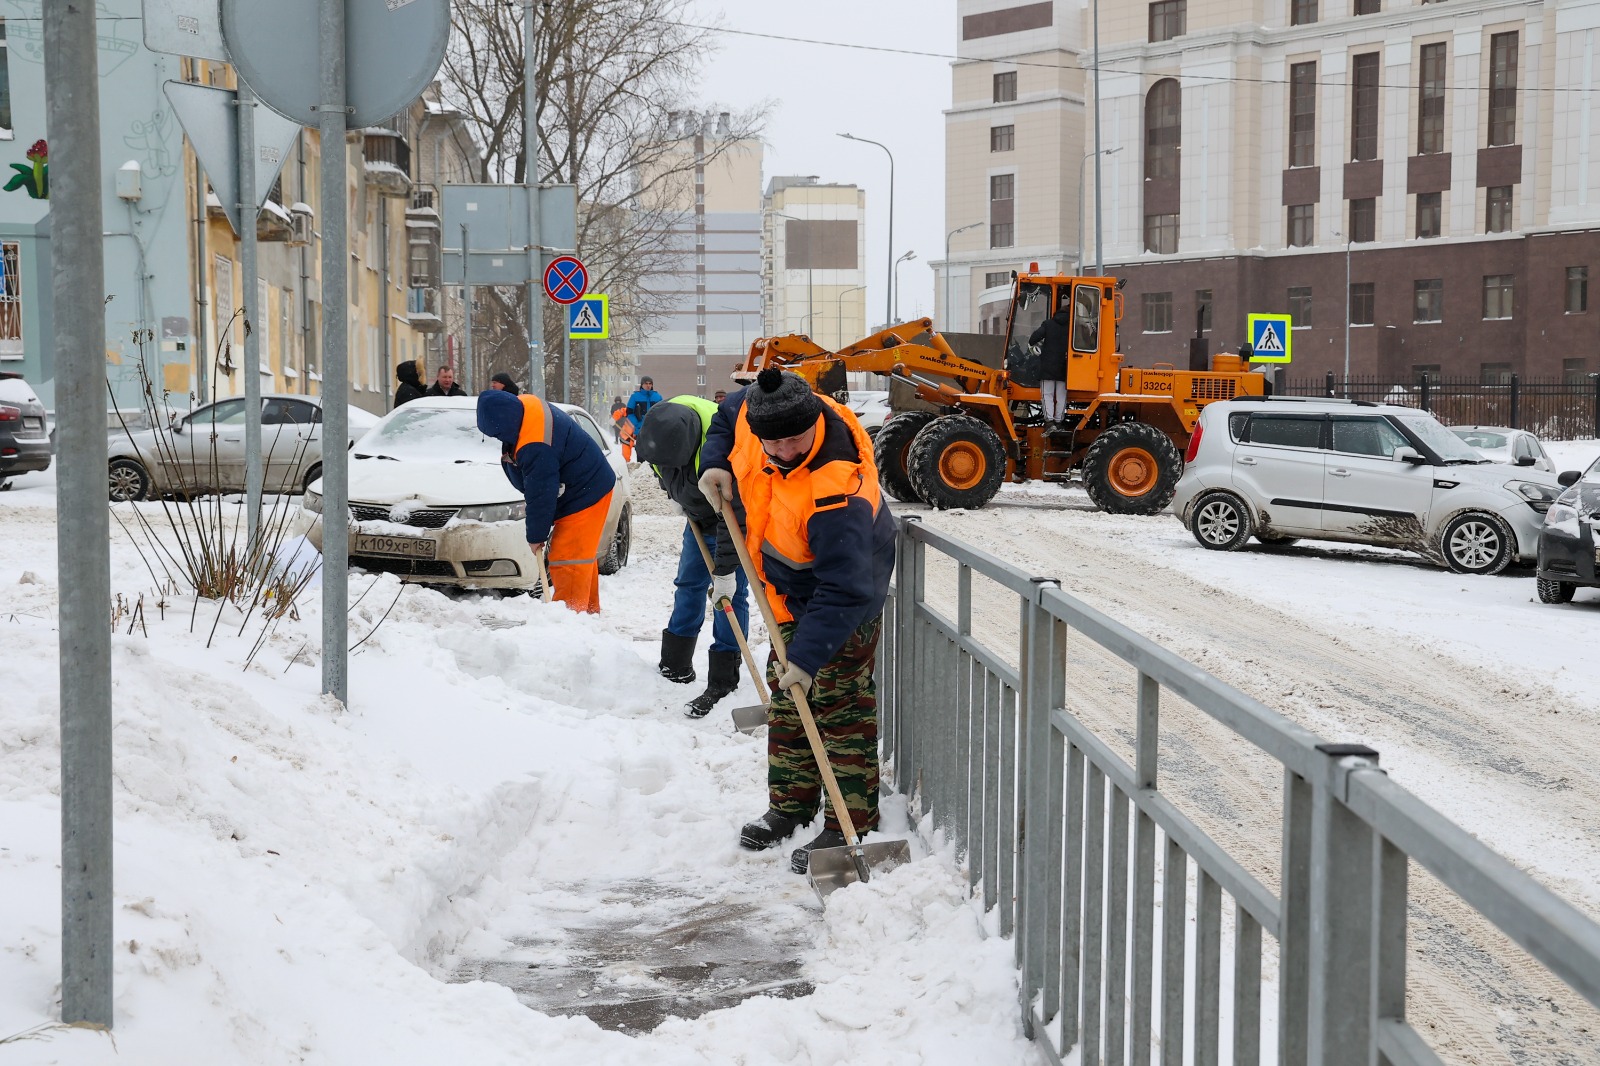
{"type": "Point", "coordinates": [780, 404]}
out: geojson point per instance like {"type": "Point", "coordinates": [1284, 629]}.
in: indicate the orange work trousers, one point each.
{"type": "Point", "coordinates": [574, 556]}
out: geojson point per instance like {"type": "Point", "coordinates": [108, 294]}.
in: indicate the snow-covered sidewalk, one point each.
{"type": "Point", "coordinates": [296, 882]}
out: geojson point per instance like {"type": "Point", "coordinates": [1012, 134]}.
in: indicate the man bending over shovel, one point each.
{"type": "Point", "coordinates": [822, 540]}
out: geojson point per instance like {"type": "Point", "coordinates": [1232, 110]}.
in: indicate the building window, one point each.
{"type": "Point", "coordinates": [1362, 300]}
{"type": "Point", "coordinates": [1499, 213]}
{"type": "Point", "coordinates": [996, 278]}
{"type": "Point", "coordinates": [1430, 101]}
{"type": "Point", "coordinates": [1497, 293]}
{"type": "Point", "coordinates": [1503, 89]}
{"type": "Point", "coordinates": [11, 300]}
{"type": "Point", "coordinates": [1005, 87]}
{"type": "Point", "coordinates": [1161, 234]}
{"type": "Point", "coordinates": [1364, 220]}
{"type": "Point", "coordinates": [1364, 108]}
{"type": "Point", "coordinates": [1368, 7]}
{"type": "Point", "coordinates": [1577, 290]}
{"type": "Point", "coordinates": [1432, 373]}
{"type": "Point", "coordinates": [1302, 12]}
{"type": "Point", "coordinates": [1168, 19]}
{"type": "Point", "coordinates": [1002, 235]}
{"type": "Point", "coordinates": [5, 85]}
{"type": "Point", "coordinates": [1202, 304]}
{"type": "Point", "coordinates": [1158, 312]}
{"type": "Point", "coordinates": [1002, 208]}
{"type": "Point", "coordinates": [1575, 371]}
{"type": "Point", "coordinates": [1429, 300]}
{"type": "Point", "coordinates": [1494, 373]}
{"type": "Point", "coordinates": [1299, 306]}
{"type": "Point", "coordinates": [1002, 138]}
{"type": "Point", "coordinates": [1302, 222]}
{"type": "Point", "coordinates": [1163, 129]}
{"type": "Point", "coordinates": [1428, 212]}
{"type": "Point", "coordinates": [1302, 114]}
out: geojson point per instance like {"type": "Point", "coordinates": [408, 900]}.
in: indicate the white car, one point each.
{"type": "Point", "coordinates": [1513, 447]}
{"type": "Point", "coordinates": [1282, 468]}
{"type": "Point", "coordinates": [871, 409]}
{"type": "Point", "coordinates": [430, 501]}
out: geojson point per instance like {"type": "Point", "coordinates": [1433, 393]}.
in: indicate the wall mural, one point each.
{"type": "Point", "coordinates": [33, 176]}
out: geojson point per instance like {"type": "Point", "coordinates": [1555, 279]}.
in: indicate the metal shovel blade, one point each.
{"type": "Point", "coordinates": [833, 868]}
{"type": "Point", "coordinates": [749, 719]}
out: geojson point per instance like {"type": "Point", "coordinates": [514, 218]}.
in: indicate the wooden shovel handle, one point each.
{"type": "Point", "coordinates": [725, 606]}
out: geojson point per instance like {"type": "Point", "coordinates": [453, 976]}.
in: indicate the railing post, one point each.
{"type": "Point", "coordinates": [1330, 391]}
{"type": "Point", "coordinates": [1596, 379]}
{"type": "Point", "coordinates": [1343, 918]}
{"type": "Point", "coordinates": [1294, 929]}
{"type": "Point", "coordinates": [1147, 744]}
{"type": "Point", "coordinates": [1516, 401]}
{"type": "Point", "coordinates": [1039, 828]}
{"type": "Point", "coordinates": [1423, 385]}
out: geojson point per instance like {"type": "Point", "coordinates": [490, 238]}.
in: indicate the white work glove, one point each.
{"type": "Point", "coordinates": [795, 676]}
{"type": "Point", "coordinates": [717, 487]}
{"type": "Point", "coordinates": [723, 586]}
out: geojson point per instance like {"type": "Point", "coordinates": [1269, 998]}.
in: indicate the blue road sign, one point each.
{"type": "Point", "coordinates": [589, 319]}
{"type": "Point", "coordinates": [565, 280]}
{"type": "Point", "coordinates": [1271, 338]}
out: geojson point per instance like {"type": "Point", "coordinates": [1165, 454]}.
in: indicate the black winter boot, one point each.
{"type": "Point", "coordinates": [768, 831]}
{"type": "Point", "coordinates": [677, 657]}
{"type": "Point", "coordinates": [800, 858]}
{"type": "Point", "coordinates": [721, 680]}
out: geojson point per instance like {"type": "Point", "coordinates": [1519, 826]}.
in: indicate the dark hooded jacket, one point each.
{"type": "Point", "coordinates": [507, 384]}
{"type": "Point", "coordinates": [410, 383]}
{"type": "Point", "coordinates": [455, 389]}
{"type": "Point", "coordinates": [670, 441]}
{"type": "Point", "coordinates": [557, 479]}
{"type": "Point", "coordinates": [1053, 336]}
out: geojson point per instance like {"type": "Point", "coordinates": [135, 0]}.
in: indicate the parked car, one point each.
{"type": "Point", "coordinates": [430, 502]}
{"type": "Point", "coordinates": [24, 437]}
{"type": "Point", "coordinates": [1569, 543]}
{"type": "Point", "coordinates": [1283, 468]}
{"type": "Point", "coordinates": [1514, 447]}
{"type": "Point", "coordinates": [871, 409]}
{"type": "Point", "coordinates": [203, 451]}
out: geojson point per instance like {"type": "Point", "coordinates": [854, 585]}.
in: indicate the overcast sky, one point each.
{"type": "Point", "coordinates": [820, 91]}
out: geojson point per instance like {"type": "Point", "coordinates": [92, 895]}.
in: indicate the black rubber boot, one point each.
{"type": "Point", "coordinates": [677, 657]}
{"type": "Point", "coordinates": [721, 679]}
{"type": "Point", "coordinates": [800, 860]}
{"type": "Point", "coordinates": [768, 831]}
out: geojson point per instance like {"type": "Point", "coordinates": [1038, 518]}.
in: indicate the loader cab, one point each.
{"type": "Point", "coordinates": [1092, 302]}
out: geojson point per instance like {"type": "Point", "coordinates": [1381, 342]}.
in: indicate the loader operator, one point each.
{"type": "Point", "coordinates": [671, 440]}
{"type": "Point", "coordinates": [823, 540]}
{"type": "Point", "coordinates": [567, 483]}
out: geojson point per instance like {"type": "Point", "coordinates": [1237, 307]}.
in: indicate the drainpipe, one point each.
{"type": "Point", "coordinates": [307, 338]}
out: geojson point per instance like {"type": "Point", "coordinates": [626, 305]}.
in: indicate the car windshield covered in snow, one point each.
{"type": "Point", "coordinates": [1485, 440]}
{"type": "Point", "coordinates": [440, 433]}
{"type": "Point", "coordinates": [1448, 446]}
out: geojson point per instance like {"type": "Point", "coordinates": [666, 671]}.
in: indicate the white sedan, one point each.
{"type": "Point", "coordinates": [430, 502]}
{"type": "Point", "coordinates": [1513, 447]}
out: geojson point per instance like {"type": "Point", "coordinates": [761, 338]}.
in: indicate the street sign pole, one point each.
{"type": "Point", "coordinates": [530, 175]}
{"type": "Point", "coordinates": [254, 316]}
{"type": "Point", "coordinates": [466, 308]}
{"type": "Point", "coordinates": [83, 558]}
{"type": "Point", "coordinates": [331, 119]}
{"type": "Point", "coordinates": [587, 406]}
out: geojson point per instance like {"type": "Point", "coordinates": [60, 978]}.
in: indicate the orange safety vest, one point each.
{"type": "Point", "coordinates": [778, 507]}
{"type": "Point", "coordinates": [624, 426]}
{"type": "Point", "coordinates": [537, 425]}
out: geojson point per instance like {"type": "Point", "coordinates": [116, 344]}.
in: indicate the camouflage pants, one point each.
{"type": "Point", "coordinates": [844, 701]}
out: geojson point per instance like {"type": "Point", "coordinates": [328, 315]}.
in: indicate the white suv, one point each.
{"type": "Point", "coordinates": [1283, 468]}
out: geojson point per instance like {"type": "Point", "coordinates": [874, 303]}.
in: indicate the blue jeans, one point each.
{"type": "Point", "coordinates": [689, 602]}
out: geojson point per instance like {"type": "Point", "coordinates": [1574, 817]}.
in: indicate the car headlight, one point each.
{"type": "Point", "coordinates": [312, 501]}
{"type": "Point", "coordinates": [1539, 497]}
{"type": "Point", "coordinates": [495, 512]}
{"type": "Point", "coordinates": [1560, 514]}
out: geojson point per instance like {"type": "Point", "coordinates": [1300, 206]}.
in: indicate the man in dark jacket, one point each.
{"type": "Point", "coordinates": [567, 483]}
{"type": "Point", "coordinates": [1053, 337]}
{"type": "Point", "coordinates": [670, 441]}
{"type": "Point", "coordinates": [639, 404]}
{"type": "Point", "coordinates": [823, 539]}
{"type": "Point", "coordinates": [410, 383]}
{"type": "Point", "coordinates": [445, 383]}
{"type": "Point", "coordinates": [502, 382]}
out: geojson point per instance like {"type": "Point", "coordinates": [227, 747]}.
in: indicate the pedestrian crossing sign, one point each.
{"type": "Point", "coordinates": [589, 319]}
{"type": "Point", "coordinates": [1271, 338]}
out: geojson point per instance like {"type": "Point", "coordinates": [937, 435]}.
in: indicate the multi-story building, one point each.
{"type": "Point", "coordinates": [1014, 149]}
{"type": "Point", "coordinates": [709, 206]}
{"type": "Point", "coordinates": [813, 250]}
{"type": "Point", "coordinates": [1412, 179]}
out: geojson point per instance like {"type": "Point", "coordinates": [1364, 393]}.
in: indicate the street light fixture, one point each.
{"type": "Point", "coordinates": [897, 262]}
{"type": "Point", "coordinates": [948, 317]}
{"type": "Point", "coordinates": [839, 341]}
{"type": "Point", "coordinates": [1081, 178]}
{"type": "Point", "coordinates": [741, 314]}
{"type": "Point", "coordinates": [792, 218]}
{"type": "Point", "coordinates": [887, 281]}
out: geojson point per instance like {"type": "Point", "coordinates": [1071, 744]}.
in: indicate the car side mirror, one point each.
{"type": "Point", "coordinates": [1409, 455]}
{"type": "Point", "coordinates": [1526, 460]}
{"type": "Point", "coordinates": [1569, 478]}
{"type": "Point", "coordinates": [177, 424]}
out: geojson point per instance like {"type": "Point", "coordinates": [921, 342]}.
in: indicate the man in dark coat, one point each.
{"type": "Point", "coordinates": [410, 383]}
{"type": "Point", "coordinates": [1053, 337]}
{"type": "Point", "coordinates": [445, 383]}
{"type": "Point", "coordinates": [502, 382]}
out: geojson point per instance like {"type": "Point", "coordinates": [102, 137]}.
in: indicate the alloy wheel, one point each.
{"type": "Point", "coordinates": [1218, 522]}
{"type": "Point", "coordinates": [1474, 545]}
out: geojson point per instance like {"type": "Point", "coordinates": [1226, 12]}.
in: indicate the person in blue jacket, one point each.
{"type": "Point", "coordinates": [567, 483]}
{"type": "Point", "coordinates": [639, 404]}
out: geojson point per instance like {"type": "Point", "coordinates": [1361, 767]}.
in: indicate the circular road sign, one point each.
{"type": "Point", "coordinates": [566, 280]}
{"type": "Point", "coordinates": [393, 49]}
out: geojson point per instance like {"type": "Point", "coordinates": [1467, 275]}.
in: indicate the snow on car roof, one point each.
{"type": "Point", "coordinates": [17, 391]}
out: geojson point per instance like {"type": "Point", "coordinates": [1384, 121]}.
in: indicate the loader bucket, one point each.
{"type": "Point", "coordinates": [833, 868]}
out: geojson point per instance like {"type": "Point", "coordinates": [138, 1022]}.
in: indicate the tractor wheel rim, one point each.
{"type": "Point", "coordinates": [1218, 523]}
{"type": "Point", "coordinates": [1133, 471]}
{"type": "Point", "coordinates": [1475, 544]}
{"type": "Point", "coordinates": [962, 465]}
{"type": "Point", "coordinates": [124, 483]}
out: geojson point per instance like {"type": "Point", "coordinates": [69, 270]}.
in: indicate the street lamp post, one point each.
{"type": "Point", "coordinates": [1346, 237]}
{"type": "Point", "coordinates": [807, 244]}
{"type": "Point", "coordinates": [839, 342]}
{"type": "Point", "coordinates": [888, 297]}
{"type": "Point", "coordinates": [741, 314]}
{"type": "Point", "coordinates": [1082, 167]}
{"type": "Point", "coordinates": [897, 262]}
{"type": "Point", "coordinates": [948, 317]}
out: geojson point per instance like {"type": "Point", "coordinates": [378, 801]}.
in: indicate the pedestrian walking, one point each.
{"type": "Point", "coordinates": [671, 442]}
{"type": "Point", "coordinates": [823, 540]}
{"type": "Point", "coordinates": [410, 379]}
{"type": "Point", "coordinates": [639, 404]}
{"type": "Point", "coordinates": [502, 382]}
{"type": "Point", "coordinates": [1053, 336]}
{"type": "Point", "coordinates": [566, 482]}
{"type": "Point", "coordinates": [445, 383]}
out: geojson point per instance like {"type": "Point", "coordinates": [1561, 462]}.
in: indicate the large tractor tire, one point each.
{"type": "Point", "coordinates": [956, 461]}
{"type": "Point", "coordinates": [889, 451]}
{"type": "Point", "coordinates": [1132, 468]}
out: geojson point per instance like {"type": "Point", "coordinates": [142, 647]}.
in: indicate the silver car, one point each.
{"type": "Point", "coordinates": [1513, 447]}
{"type": "Point", "coordinates": [203, 451]}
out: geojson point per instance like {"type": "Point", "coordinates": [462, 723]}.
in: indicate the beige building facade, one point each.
{"type": "Point", "coordinates": [813, 253]}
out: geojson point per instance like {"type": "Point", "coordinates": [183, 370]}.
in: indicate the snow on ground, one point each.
{"type": "Point", "coordinates": [297, 882]}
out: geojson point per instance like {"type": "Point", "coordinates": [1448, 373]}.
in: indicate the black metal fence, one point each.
{"type": "Point", "coordinates": [1551, 408]}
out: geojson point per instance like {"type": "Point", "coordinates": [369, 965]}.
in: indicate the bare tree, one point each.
{"type": "Point", "coordinates": [612, 84]}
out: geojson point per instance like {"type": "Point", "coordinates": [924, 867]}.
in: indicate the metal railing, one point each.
{"type": "Point", "coordinates": [1060, 834]}
{"type": "Point", "coordinates": [1552, 408]}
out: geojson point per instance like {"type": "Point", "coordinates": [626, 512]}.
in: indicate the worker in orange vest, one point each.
{"type": "Point", "coordinates": [624, 430]}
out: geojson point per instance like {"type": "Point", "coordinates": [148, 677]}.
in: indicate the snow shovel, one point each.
{"type": "Point", "coordinates": [544, 577]}
{"type": "Point", "coordinates": [745, 719]}
{"type": "Point", "coordinates": [829, 869]}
